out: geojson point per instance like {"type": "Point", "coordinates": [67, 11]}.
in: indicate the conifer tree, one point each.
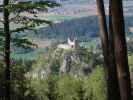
{"type": "Point", "coordinates": [27, 23]}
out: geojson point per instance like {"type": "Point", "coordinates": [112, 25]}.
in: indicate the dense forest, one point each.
{"type": "Point", "coordinates": [50, 50]}
{"type": "Point", "coordinates": [78, 26]}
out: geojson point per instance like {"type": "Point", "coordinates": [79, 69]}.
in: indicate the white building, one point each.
{"type": "Point", "coordinates": [71, 44]}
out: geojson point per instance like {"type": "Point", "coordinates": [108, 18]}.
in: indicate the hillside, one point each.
{"type": "Point", "coordinates": [82, 27]}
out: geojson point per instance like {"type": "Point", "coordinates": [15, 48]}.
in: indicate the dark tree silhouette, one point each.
{"type": "Point", "coordinates": [113, 86]}
{"type": "Point", "coordinates": [103, 30]}
{"type": "Point", "coordinates": [103, 34]}
{"type": "Point", "coordinates": [108, 52]}
{"type": "Point", "coordinates": [19, 7]}
{"type": "Point", "coordinates": [7, 50]}
{"type": "Point", "coordinates": [121, 50]}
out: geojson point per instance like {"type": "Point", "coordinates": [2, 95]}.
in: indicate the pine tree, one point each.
{"type": "Point", "coordinates": [17, 8]}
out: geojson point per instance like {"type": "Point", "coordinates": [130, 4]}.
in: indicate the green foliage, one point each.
{"type": "Point", "coordinates": [130, 59]}
{"type": "Point", "coordinates": [79, 26]}
{"type": "Point", "coordinates": [71, 88]}
{"type": "Point", "coordinates": [95, 85]}
{"type": "Point", "coordinates": [45, 89]}
{"type": "Point", "coordinates": [56, 87]}
{"type": "Point", "coordinates": [28, 23]}
{"type": "Point", "coordinates": [41, 89]}
{"type": "Point", "coordinates": [1, 40]}
{"type": "Point", "coordinates": [67, 87]}
{"type": "Point", "coordinates": [25, 22]}
{"type": "Point", "coordinates": [20, 88]}
{"type": "Point", "coordinates": [19, 84]}
{"type": "Point", "coordinates": [22, 42]}
{"type": "Point", "coordinates": [81, 91]}
{"type": "Point", "coordinates": [91, 44]}
{"type": "Point", "coordinates": [24, 6]}
{"type": "Point", "coordinates": [52, 88]}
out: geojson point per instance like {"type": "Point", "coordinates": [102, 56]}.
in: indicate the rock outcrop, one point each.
{"type": "Point", "coordinates": [75, 62]}
{"type": "Point", "coordinates": [78, 63]}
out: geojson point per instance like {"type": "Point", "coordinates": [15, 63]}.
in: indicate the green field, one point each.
{"type": "Point", "coordinates": [59, 17]}
{"type": "Point", "coordinates": [33, 55]}
{"type": "Point", "coordinates": [90, 44]}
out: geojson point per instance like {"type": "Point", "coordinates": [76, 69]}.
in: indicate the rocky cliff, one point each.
{"type": "Point", "coordinates": [75, 62]}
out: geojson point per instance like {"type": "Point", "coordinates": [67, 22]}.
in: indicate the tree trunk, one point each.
{"type": "Point", "coordinates": [7, 50]}
{"type": "Point", "coordinates": [104, 37]}
{"type": "Point", "coordinates": [121, 50]}
{"type": "Point", "coordinates": [113, 86]}
{"type": "Point", "coordinates": [108, 52]}
{"type": "Point", "coordinates": [103, 30]}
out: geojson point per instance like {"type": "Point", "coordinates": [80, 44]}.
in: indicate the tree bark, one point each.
{"type": "Point", "coordinates": [121, 50]}
{"type": "Point", "coordinates": [104, 37]}
{"type": "Point", "coordinates": [113, 86]}
{"type": "Point", "coordinates": [7, 50]}
{"type": "Point", "coordinates": [103, 30]}
{"type": "Point", "coordinates": [108, 52]}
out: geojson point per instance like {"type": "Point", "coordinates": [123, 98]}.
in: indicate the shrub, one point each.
{"type": "Point", "coordinates": [95, 85]}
